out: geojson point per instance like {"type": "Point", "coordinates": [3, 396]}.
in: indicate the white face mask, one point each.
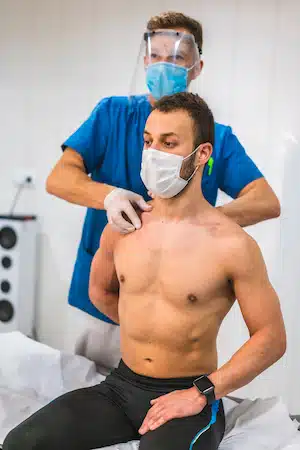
{"type": "Point", "coordinates": [160, 172]}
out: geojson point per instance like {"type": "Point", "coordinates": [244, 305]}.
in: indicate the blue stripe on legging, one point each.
{"type": "Point", "coordinates": [214, 412]}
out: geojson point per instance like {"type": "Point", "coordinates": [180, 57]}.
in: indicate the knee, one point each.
{"type": "Point", "coordinates": [24, 437]}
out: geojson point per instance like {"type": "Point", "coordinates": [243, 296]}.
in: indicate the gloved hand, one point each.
{"type": "Point", "coordinates": [120, 201]}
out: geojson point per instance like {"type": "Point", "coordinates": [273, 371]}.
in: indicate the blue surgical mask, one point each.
{"type": "Point", "coordinates": [165, 78]}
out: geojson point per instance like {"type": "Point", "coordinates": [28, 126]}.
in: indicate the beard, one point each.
{"type": "Point", "coordinates": [188, 167]}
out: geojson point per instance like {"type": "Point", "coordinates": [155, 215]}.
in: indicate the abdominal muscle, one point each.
{"type": "Point", "coordinates": [161, 340]}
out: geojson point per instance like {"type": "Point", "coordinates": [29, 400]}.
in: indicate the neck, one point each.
{"type": "Point", "coordinates": [189, 203]}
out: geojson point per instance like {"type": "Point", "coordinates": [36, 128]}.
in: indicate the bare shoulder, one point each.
{"type": "Point", "coordinates": [221, 227]}
{"type": "Point", "coordinates": [110, 238]}
{"type": "Point", "coordinates": [245, 253]}
{"type": "Point", "coordinates": [239, 249]}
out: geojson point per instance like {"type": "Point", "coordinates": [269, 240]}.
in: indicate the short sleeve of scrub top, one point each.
{"type": "Point", "coordinates": [237, 169]}
{"type": "Point", "coordinates": [90, 139]}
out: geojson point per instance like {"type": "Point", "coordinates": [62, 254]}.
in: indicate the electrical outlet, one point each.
{"type": "Point", "coordinates": [24, 177]}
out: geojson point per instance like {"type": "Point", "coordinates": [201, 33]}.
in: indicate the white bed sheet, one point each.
{"type": "Point", "coordinates": [32, 374]}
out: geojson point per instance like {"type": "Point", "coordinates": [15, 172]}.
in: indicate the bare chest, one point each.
{"type": "Point", "coordinates": [179, 265]}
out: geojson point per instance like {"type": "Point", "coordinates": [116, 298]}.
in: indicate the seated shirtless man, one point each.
{"type": "Point", "coordinates": [169, 285]}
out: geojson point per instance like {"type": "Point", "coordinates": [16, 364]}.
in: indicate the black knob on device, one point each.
{"type": "Point", "coordinates": [8, 238]}
{"type": "Point", "coordinates": [6, 311]}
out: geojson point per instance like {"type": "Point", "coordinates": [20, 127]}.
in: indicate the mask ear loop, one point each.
{"type": "Point", "coordinates": [198, 60]}
{"type": "Point", "coordinates": [192, 174]}
{"type": "Point", "coordinates": [196, 149]}
{"type": "Point", "coordinates": [191, 68]}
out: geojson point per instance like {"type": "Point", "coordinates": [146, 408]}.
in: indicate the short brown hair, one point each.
{"type": "Point", "coordinates": [197, 109]}
{"type": "Point", "coordinates": [172, 19]}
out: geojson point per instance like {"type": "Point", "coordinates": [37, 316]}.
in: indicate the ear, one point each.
{"type": "Point", "coordinates": [203, 154]}
{"type": "Point", "coordinates": [195, 72]}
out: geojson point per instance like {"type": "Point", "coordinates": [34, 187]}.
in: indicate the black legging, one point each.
{"type": "Point", "coordinates": [111, 413]}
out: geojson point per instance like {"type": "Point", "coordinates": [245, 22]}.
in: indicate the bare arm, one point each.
{"type": "Point", "coordinates": [256, 202]}
{"type": "Point", "coordinates": [262, 314]}
{"type": "Point", "coordinates": [69, 181]}
{"type": "Point", "coordinates": [104, 284]}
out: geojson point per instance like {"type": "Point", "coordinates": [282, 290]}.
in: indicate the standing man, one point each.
{"type": "Point", "coordinates": [108, 147]}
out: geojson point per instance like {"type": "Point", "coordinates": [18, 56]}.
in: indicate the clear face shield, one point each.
{"type": "Point", "coordinates": [168, 62]}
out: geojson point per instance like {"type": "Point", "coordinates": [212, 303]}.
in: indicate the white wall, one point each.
{"type": "Point", "coordinates": [58, 58]}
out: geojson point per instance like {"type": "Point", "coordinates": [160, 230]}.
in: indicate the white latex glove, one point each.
{"type": "Point", "coordinates": [120, 201]}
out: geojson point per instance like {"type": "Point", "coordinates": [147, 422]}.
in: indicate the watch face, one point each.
{"type": "Point", "coordinates": [203, 384]}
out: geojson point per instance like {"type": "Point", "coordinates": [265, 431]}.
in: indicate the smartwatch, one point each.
{"type": "Point", "coordinates": [206, 388]}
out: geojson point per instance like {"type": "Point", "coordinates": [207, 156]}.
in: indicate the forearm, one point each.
{"type": "Point", "coordinates": [75, 186]}
{"type": "Point", "coordinates": [245, 211]}
{"type": "Point", "coordinates": [107, 303]}
{"type": "Point", "coordinates": [254, 205]}
{"type": "Point", "coordinates": [262, 350]}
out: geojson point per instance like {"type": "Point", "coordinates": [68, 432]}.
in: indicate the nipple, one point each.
{"type": "Point", "coordinates": [192, 298]}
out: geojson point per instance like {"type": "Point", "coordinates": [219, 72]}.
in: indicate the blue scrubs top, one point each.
{"type": "Point", "coordinates": [110, 143]}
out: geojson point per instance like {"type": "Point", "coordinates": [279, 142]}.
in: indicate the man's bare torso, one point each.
{"type": "Point", "coordinates": [174, 294]}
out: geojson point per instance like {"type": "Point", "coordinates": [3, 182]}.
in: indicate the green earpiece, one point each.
{"type": "Point", "coordinates": [210, 163]}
